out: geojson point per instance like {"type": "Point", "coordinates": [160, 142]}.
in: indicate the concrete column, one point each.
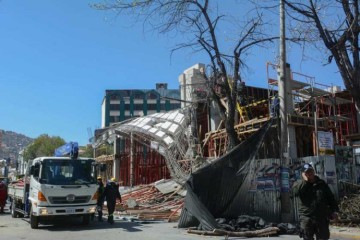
{"type": "Point", "coordinates": [116, 168]}
{"type": "Point", "coordinates": [215, 117]}
{"type": "Point", "coordinates": [116, 161]}
{"type": "Point", "coordinates": [182, 82]}
{"type": "Point", "coordinates": [191, 80]}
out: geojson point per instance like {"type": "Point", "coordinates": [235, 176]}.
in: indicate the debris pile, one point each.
{"type": "Point", "coordinates": [266, 232]}
{"type": "Point", "coordinates": [349, 215]}
{"type": "Point", "coordinates": [246, 226]}
{"type": "Point", "coordinates": [151, 202]}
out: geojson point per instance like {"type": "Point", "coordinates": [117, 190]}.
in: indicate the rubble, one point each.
{"type": "Point", "coordinates": [271, 231]}
{"type": "Point", "coordinates": [147, 203]}
{"type": "Point", "coordinates": [349, 214]}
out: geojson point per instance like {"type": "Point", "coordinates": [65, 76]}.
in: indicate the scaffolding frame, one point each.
{"type": "Point", "coordinates": [317, 105]}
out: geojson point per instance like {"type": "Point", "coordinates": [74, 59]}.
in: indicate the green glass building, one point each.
{"type": "Point", "coordinates": [120, 105]}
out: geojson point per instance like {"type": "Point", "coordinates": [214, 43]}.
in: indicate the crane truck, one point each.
{"type": "Point", "coordinates": [61, 185]}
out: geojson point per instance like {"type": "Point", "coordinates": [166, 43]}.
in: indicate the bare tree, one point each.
{"type": "Point", "coordinates": [200, 21]}
{"type": "Point", "coordinates": [335, 25]}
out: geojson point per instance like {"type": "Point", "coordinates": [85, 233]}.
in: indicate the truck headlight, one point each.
{"type": "Point", "coordinates": [44, 211]}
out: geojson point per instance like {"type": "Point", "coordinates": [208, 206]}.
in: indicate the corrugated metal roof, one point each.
{"type": "Point", "coordinates": [168, 133]}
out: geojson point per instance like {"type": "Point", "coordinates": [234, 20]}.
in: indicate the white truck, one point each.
{"type": "Point", "coordinates": [55, 186]}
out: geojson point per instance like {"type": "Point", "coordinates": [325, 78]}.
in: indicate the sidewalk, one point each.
{"type": "Point", "coordinates": [344, 232]}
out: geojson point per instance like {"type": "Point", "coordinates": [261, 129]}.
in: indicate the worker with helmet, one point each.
{"type": "Point", "coordinates": [100, 201]}
{"type": "Point", "coordinates": [111, 193]}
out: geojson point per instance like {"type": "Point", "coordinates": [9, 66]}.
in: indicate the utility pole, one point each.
{"type": "Point", "coordinates": [282, 88]}
{"type": "Point", "coordinates": [284, 154]}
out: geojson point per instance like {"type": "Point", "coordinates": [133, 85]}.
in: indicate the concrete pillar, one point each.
{"type": "Point", "coordinates": [191, 80]}
{"type": "Point", "coordinates": [116, 168]}
{"type": "Point", "coordinates": [215, 117]}
{"type": "Point", "coordinates": [116, 161]}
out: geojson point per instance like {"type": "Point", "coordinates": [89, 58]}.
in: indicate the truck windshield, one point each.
{"type": "Point", "coordinates": [67, 172]}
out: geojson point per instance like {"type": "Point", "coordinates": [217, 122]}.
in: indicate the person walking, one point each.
{"type": "Point", "coordinates": [100, 201]}
{"type": "Point", "coordinates": [111, 193]}
{"type": "Point", "coordinates": [317, 204]}
{"type": "Point", "coordinates": [3, 196]}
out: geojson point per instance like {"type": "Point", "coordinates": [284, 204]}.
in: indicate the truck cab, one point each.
{"type": "Point", "coordinates": [62, 186]}
{"type": "Point", "coordinates": [56, 186]}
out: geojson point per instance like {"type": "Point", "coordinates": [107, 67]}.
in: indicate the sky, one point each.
{"type": "Point", "coordinates": [58, 57]}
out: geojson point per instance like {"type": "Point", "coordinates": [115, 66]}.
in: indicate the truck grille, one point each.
{"type": "Point", "coordinates": [65, 200]}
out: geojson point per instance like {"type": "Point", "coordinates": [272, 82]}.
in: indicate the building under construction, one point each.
{"type": "Point", "coordinates": [190, 146]}
{"type": "Point", "coordinates": [142, 155]}
{"type": "Point", "coordinates": [316, 108]}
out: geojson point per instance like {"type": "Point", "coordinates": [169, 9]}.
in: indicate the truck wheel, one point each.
{"type": "Point", "coordinates": [34, 220]}
{"type": "Point", "coordinates": [86, 219]}
{"type": "Point", "coordinates": [14, 214]}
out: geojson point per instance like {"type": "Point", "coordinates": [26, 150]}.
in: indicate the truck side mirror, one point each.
{"type": "Point", "coordinates": [32, 170]}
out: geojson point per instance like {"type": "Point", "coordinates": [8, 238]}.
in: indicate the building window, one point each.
{"type": "Point", "coordinates": [162, 107]}
{"type": "Point", "coordinates": [114, 97]}
{"type": "Point", "coordinates": [139, 95]}
{"type": "Point", "coordinates": [152, 106]}
{"type": "Point", "coordinates": [138, 107]}
{"type": "Point", "coordinates": [114, 106]}
{"type": "Point", "coordinates": [114, 119]}
{"type": "Point", "coordinates": [152, 95]}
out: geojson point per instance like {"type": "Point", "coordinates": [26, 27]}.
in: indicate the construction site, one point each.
{"type": "Point", "coordinates": [189, 146]}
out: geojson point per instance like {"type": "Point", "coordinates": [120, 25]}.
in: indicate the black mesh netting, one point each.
{"type": "Point", "coordinates": [217, 190]}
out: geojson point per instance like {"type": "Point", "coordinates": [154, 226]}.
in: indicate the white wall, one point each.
{"type": "Point", "coordinates": [190, 80]}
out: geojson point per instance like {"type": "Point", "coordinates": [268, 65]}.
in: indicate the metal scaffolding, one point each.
{"type": "Point", "coordinates": [167, 133]}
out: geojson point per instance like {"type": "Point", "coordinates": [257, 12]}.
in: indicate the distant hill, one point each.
{"type": "Point", "coordinates": [11, 143]}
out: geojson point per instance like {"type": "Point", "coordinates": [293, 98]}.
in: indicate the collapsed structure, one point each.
{"type": "Point", "coordinates": [188, 144]}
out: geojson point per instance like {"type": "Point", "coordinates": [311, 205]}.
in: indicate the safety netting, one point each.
{"type": "Point", "coordinates": [219, 189]}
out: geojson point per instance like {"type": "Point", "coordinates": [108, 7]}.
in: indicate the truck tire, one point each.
{"type": "Point", "coordinates": [34, 220]}
{"type": "Point", "coordinates": [86, 219]}
{"type": "Point", "coordinates": [14, 213]}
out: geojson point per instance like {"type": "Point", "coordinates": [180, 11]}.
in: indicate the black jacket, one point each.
{"type": "Point", "coordinates": [316, 199]}
{"type": "Point", "coordinates": [101, 193]}
{"type": "Point", "coordinates": [111, 192]}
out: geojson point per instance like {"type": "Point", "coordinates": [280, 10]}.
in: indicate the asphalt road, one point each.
{"type": "Point", "coordinates": [72, 229]}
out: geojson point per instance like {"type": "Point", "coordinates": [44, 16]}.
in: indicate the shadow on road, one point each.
{"type": "Point", "coordinates": [75, 224]}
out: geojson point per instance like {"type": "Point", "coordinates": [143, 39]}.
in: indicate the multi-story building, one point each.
{"type": "Point", "coordinates": [120, 105]}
